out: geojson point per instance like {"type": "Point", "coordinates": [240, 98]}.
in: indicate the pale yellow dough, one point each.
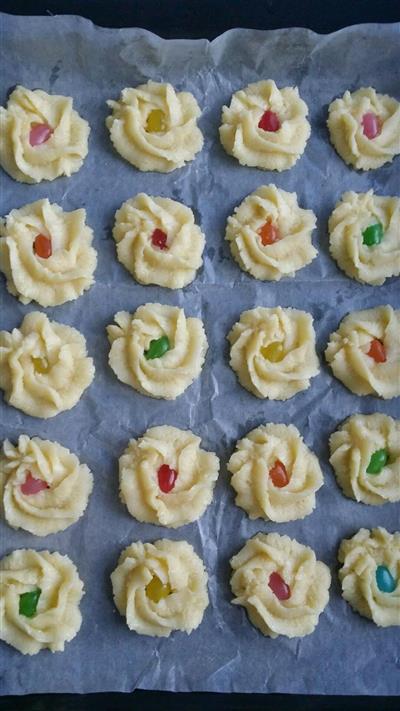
{"type": "Point", "coordinates": [255, 455]}
{"type": "Point", "coordinates": [289, 330]}
{"type": "Point", "coordinates": [62, 154]}
{"type": "Point", "coordinates": [360, 556]}
{"type": "Point", "coordinates": [176, 565]}
{"type": "Point", "coordinates": [51, 510]}
{"type": "Point", "coordinates": [252, 146]}
{"type": "Point", "coordinates": [180, 450]}
{"type": "Point", "coordinates": [58, 618]}
{"type": "Point", "coordinates": [135, 222]}
{"type": "Point", "coordinates": [44, 367]}
{"type": "Point", "coordinates": [165, 377]}
{"type": "Point", "coordinates": [351, 216]}
{"type": "Point", "coordinates": [352, 447]}
{"type": "Point", "coordinates": [346, 128]}
{"type": "Point", "coordinates": [282, 258]}
{"type": "Point", "coordinates": [63, 276]}
{"type": "Point", "coordinates": [307, 578]}
{"type": "Point", "coordinates": [347, 351]}
{"type": "Point", "coordinates": [164, 150]}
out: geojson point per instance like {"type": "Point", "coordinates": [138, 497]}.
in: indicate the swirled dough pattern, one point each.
{"type": "Point", "coordinates": [50, 510]}
{"type": "Point", "coordinates": [179, 569]}
{"type": "Point", "coordinates": [352, 215]}
{"type": "Point", "coordinates": [348, 348]}
{"type": "Point", "coordinates": [352, 447]}
{"type": "Point", "coordinates": [270, 150]}
{"type": "Point", "coordinates": [63, 276]}
{"type": "Point", "coordinates": [284, 257]}
{"type": "Point", "coordinates": [58, 618]}
{"type": "Point", "coordinates": [360, 556]}
{"type": "Point", "coordinates": [172, 144]}
{"type": "Point", "coordinates": [307, 578]}
{"type": "Point", "coordinates": [197, 472]}
{"type": "Point", "coordinates": [273, 351]}
{"type": "Point", "coordinates": [345, 124]}
{"type": "Point", "coordinates": [165, 377]}
{"type": "Point", "coordinates": [64, 151]}
{"type": "Point", "coordinates": [173, 266]}
{"type": "Point", "coordinates": [256, 455]}
{"type": "Point", "coordinates": [44, 367]}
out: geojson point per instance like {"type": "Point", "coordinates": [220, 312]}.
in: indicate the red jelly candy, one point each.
{"type": "Point", "coordinates": [32, 485]}
{"type": "Point", "coordinates": [377, 351]}
{"type": "Point", "coordinates": [269, 233]}
{"type": "Point", "coordinates": [279, 587]}
{"type": "Point", "coordinates": [166, 478]}
{"type": "Point", "coordinates": [372, 125]}
{"type": "Point", "coordinates": [159, 239]}
{"type": "Point", "coordinates": [279, 475]}
{"type": "Point", "coordinates": [39, 133]}
{"type": "Point", "coordinates": [269, 121]}
{"type": "Point", "coordinates": [42, 246]}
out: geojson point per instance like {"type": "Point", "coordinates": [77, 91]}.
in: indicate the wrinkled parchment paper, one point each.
{"type": "Point", "coordinates": [346, 654]}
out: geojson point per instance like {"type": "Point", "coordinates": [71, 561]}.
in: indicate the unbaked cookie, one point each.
{"type": "Point", "coordinates": [364, 236]}
{"type": "Point", "coordinates": [370, 575]}
{"type": "Point", "coordinates": [158, 241]}
{"type": "Point", "coordinates": [41, 136]}
{"type": "Point", "coordinates": [275, 475]}
{"type": "Point", "coordinates": [40, 594]}
{"type": "Point", "coordinates": [364, 352]}
{"type": "Point", "coordinates": [265, 127]}
{"type": "Point", "coordinates": [46, 253]}
{"type": "Point", "coordinates": [43, 486]}
{"type": "Point", "coordinates": [165, 478]}
{"type": "Point", "coordinates": [270, 235]}
{"type": "Point", "coordinates": [365, 128]}
{"type": "Point", "coordinates": [160, 587]}
{"type": "Point", "coordinates": [157, 350]}
{"type": "Point", "coordinates": [281, 584]}
{"type": "Point", "coordinates": [44, 366]}
{"type": "Point", "coordinates": [154, 127]}
{"type": "Point", "coordinates": [273, 351]}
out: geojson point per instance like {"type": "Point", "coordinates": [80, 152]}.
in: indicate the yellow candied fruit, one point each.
{"type": "Point", "coordinates": [41, 365]}
{"type": "Point", "coordinates": [156, 590]}
{"type": "Point", "coordinates": [273, 352]}
{"type": "Point", "coordinates": [155, 121]}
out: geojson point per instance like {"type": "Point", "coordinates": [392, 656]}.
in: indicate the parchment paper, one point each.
{"type": "Point", "coordinates": [346, 654]}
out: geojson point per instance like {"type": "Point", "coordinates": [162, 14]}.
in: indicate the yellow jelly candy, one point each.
{"type": "Point", "coordinates": [155, 121]}
{"type": "Point", "coordinates": [156, 590]}
{"type": "Point", "coordinates": [273, 352]}
{"type": "Point", "coordinates": [41, 365]}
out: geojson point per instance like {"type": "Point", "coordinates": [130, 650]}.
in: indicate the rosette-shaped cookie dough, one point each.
{"type": "Point", "coordinates": [370, 575]}
{"type": "Point", "coordinates": [364, 236]}
{"type": "Point", "coordinates": [365, 128]}
{"type": "Point", "coordinates": [365, 454]}
{"type": "Point", "coordinates": [154, 127]}
{"type": "Point", "coordinates": [273, 351]}
{"type": "Point", "coordinates": [43, 486]}
{"type": "Point", "coordinates": [265, 127]}
{"type": "Point", "coordinates": [40, 594]}
{"type": "Point", "coordinates": [275, 475]}
{"type": "Point", "coordinates": [41, 136]}
{"type": "Point", "coordinates": [270, 235]}
{"type": "Point", "coordinates": [158, 241]}
{"type": "Point", "coordinates": [165, 478]}
{"type": "Point", "coordinates": [44, 366]}
{"type": "Point", "coordinates": [282, 585]}
{"type": "Point", "coordinates": [158, 351]}
{"type": "Point", "coordinates": [160, 587]}
{"type": "Point", "coordinates": [364, 353]}
{"type": "Point", "coordinates": [46, 253]}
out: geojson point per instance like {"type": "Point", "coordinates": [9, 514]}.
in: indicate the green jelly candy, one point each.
{"type": "Point", "coordinates": [373, 235]}
{"type": "Point", "coordinates": [384, 579]}
{"type": "Point", "coordinates": [378, 461]}
{"type": "Point", "coordinates": [28, 602]}
{"type": "Point", "coordinates": [157, 348]}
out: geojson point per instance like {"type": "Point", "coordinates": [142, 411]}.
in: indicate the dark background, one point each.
{"type": "Point", "coordinates": [207, 18]}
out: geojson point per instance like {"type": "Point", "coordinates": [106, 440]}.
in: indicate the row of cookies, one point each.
{"type": "Point", "coordinates": [154, 128]}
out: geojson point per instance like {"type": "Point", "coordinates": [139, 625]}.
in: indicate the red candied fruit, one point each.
{"type": "Point", "coordinates": [279, 475]}
{"type": "Point", "coordinates": [166, 478]}
{"type": "Point", "coordinates": [372, 125]}
{"type": "Point", "coordinates": [42, 246]}
{"type": "Point", "coordinates": [159, 239]}
{"type": "Point", "coordinates": [39, 133]}
{"type": "Point", "coordinates": [269, 233]}
{"type": "Point", "coordinates": [32, 485]}
{"type": "Point", "coordinates": [269, 121]}
{"type": "Point", "coordinates": [377, 351]}
{"type": "Point", "coordinates": [278, 586]}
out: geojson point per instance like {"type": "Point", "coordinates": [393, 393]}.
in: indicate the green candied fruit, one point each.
{"type": "Point", "coordinates": [28, 602]}
{"type": "Point", "coordinates": [157, 348]}
{"type": "Point", "coordinates": [373, 234]}
{"type": "Point", "coordinates": [378, 460]}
